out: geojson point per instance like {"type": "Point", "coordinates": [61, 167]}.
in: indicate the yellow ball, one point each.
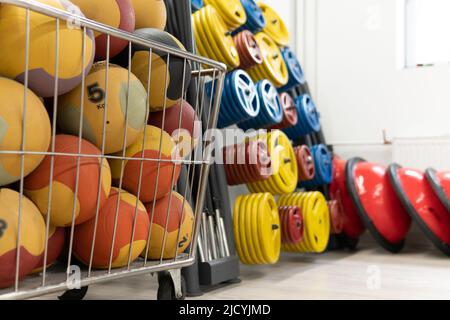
{"type": "Point", "coordinates": [150, 14]}
{"type": "Point", "coordinates": [42, 49]}
{"type": "Point", "coordinates": [37, 130]}
{"type": "Point", "coordinates": [161, 87]}
{"type": "Point", "coordinates": [69, 108]}
{"type": "Point", "coordinates": [32, 239]}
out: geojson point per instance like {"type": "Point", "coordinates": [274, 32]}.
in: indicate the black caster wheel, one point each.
{"type": "Point", "coordinates": [166, 289]}
{"type": "Point", "coordinates": [74, 294]}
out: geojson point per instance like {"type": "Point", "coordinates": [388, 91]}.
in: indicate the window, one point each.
{"type": "Point", "coordinates": [427, 32]}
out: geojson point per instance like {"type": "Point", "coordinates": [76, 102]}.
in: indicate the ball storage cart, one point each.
{"type": "Point", "coordinates": [84, 198]}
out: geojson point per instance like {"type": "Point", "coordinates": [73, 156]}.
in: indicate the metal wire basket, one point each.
{"type": "Point", "coordinates": [60, 277]}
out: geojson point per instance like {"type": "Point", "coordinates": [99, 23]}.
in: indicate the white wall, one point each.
{"type": "Point", "coordinates": [352, 50]}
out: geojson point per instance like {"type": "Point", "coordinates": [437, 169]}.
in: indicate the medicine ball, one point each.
{"type": "Point", "coordinates": [152, 187]}
{"type": "Point", "coordinates": [159, 83]}
{"type": "Point", "coordinates": [150, 14]}
{"type": "Point", "coordinates": [64, 182]}
{"type": "Point", "coordinates": [56, 239]}
{"type": "Point", "coordinates": [37, 130]}
{"type": "Point", "coordinates": [182, 123]}
{"type": "Point", "coordinates": [129, 209]}
{"type": "Point", "coordinates": [32, 239]}
{"type": "Point", "coordinates": [115, 13]}
{"type": "Point", "coordinates": [42, 49]}
{"type": "Point", "coordinates": [177, 231]}
{"type": "Point", "coordinates": [118, 103]}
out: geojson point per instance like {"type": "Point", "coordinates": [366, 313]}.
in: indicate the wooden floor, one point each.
{"type": "Point", "coordinates": [419, 272]}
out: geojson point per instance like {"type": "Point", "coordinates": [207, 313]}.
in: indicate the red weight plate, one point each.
{"type": "Point", "coordinates": [305, 162]}
{"type": "Point", "coordinates": [440, 182]}
{"type": "Point", "coordinates": [290, 115]}
{"type": "Point", "coordinates": [248, 49]}
{"type": "Point", "coordinates": [295, 224]}
{"type": "Point", "coordinates": [353, 225]}
{"type": "Point", "coordinates": [336, 215]}
{"type": "Point", "coordinates": [377, 204]}
{"type": "Point", "coordinates": [422, 204]}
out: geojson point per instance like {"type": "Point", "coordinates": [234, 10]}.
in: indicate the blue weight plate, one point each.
{"type": "Point", "coordinates": [255, 17]}
{"type": "Point", "coordinates": [243, 91]}
{"type": "Point", "coordinates": [296, 75]}
{"type": "Point", "coordinates": [227, 106]}
{"type": "Point", "coordinates": [302, 126]}
{"type": "Point", "coordinates": [271, 111]}
{"type": "Point", "coordinates": [309, 114]}
{"type": "Point", "coordinates": [196, 5]}
{"type": "Point", "coordinates": [324, 164]}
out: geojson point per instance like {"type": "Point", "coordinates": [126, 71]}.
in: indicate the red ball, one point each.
{"type": "Point", "coordinates": [183, 133]}
{"type": "Point", "coordinates": [56, 240]}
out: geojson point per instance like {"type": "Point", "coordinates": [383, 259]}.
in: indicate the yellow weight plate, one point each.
{"type": "Point", "coordinates": [237, 233]}
{"type": "Point", "coordinates": [269, 229]}
{"type": "Point", "coordinates": [243, 231]}
{"type": "Point", "coordinates": [319, 222]}
{"type": "Point", "coordinates": [273, 63]}
{"type": "Point", "coordinates": [216, 31]}
{"type": "Point", "coordinates": [284, 178]}
{"type": "Point", "coordinates": [231, 11]}
{"type": "Point", "coordinates": [301, 201]}
{"type": "Point", "coordinates": [206, 15]}
{"type": "Point", "coordinates": [273, 67]}
{"type": "Point", "coordinates": [256, 206]}
{"type": "Point", "coordinates": [203, 45]}
{"type": "Point", "coordinates": [251, 201]}
{"type": "Point", "coordinates": [275, 26]}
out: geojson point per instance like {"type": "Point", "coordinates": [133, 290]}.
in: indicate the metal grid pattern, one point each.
{"type": "Point", "coordinates": [58, 278]}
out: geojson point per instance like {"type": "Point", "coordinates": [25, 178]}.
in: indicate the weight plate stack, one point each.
{"type": "Point", "coordinates": [196, 5]}
{"type": "Point", "coordinates": [284, 176]}
{"type": "Point", "coordinates": [270, 111]}
{"type": "Point", "coordinates": [290, 115]}
{"type": "Point", "coordinates": [305, 163]}
{"type": "Point", "coordinates": [275, 26]}
{"type": "Point", "coordinates": [255, 17]}
{"type": "Point", "coordinates": [440, 182]}
{"type": "Point", "coordinates": [240, 101]}
{"type": "Point", "coordinates": [336, 216]}
{"type": "Point", "coordinates": [231, 11]}
{"type": "Point", "coordinates": [246, 162]}
{"type": "Point", "coordinates": [257, 230]}
{"type": "Point", "coordinates": [248, 49]}
{"type": "Point", "coordinates": [316, 221]}
{"type": "Point", "coordinates": [295, 71]}
{"type": "Point", "coordinates": [212, 37]}
{"type": "Point", "coordinates": [273, 67]}
{"type": "Point", "coordinates": [323, 163]}
{"type": "Point", "coordinates": [291, 221]}
{"type": "Point", "coordinates": [308, 118]}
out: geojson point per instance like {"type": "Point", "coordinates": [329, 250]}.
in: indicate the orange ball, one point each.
{"type": "Point", "coordinates": [56, 240]}
{"type": "Point", "coordinates": [132, 168]}
{"type": "Point", "coordinates": [178, 230]}
{"type": "Point", "coordinates": [127, 212]}
{"type": "Point", "coordinates": [64, 182]}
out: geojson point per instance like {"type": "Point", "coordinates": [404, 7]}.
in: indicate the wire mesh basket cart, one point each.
{"type": "Point", "coordinates": [104, 172]}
